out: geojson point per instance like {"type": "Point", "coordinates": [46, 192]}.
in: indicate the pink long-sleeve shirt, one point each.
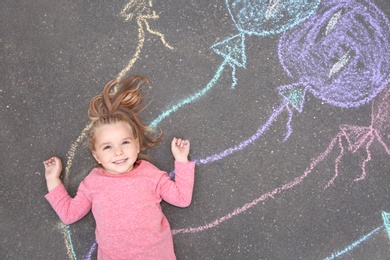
{"type": "Point", "coordinates": [129, 221]}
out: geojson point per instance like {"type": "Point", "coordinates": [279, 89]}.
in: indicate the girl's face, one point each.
{"type": "Point", "coordinates": [116, 149]}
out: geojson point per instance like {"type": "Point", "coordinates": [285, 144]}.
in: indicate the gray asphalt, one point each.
{"type": "Point", "coordinates": [260, 200]}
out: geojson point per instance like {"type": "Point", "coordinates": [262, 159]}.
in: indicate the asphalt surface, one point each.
{"type": "Point", "coordinates": [266, 184]}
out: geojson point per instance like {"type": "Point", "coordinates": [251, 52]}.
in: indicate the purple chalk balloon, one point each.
{"type": "Point", "coordinates": [342, 52]}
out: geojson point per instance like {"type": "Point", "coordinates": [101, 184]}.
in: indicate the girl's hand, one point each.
{"type": "Point", "coordinates": [180, 149]}
{"type": "Point", "coordinates": [53, 169]}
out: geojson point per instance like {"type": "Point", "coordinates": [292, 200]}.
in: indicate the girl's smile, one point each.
{"type": "Point", "coordinates": [120, 161]}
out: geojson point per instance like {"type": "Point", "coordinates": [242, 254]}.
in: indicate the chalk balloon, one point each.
{"type": "Point", "coordinates": [342, 52]}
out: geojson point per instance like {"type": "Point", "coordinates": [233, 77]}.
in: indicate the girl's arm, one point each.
{"type": "Point", "coordinates": [179, 192]}
{"type": "Point", "coordinates": [67, 208]}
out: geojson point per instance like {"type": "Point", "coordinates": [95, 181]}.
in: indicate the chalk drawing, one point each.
{"type": "Point", "coordinates": [342, 53]}
{"type": "Point", "coordinates": [260, 18]}
{"type": "Point", "coordinates": [141, 11]}
{"type": "Point", "coordinates": [343, 29]}
{"type": "Point", "coordinates": [359, 137]}
{"type": "Point", "coordinates": [386, 220]}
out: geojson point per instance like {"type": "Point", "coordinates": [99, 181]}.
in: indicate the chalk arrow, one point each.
{"type": "Point", "coordinates": [233, 51]}
{"type": "Point", "coordinates": [356, 135]}
{"type": "Point", "coordinates": [294, 94]}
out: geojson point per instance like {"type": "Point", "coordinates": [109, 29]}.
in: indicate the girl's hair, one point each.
{"type": "Point", "coordinates": [122, 105]}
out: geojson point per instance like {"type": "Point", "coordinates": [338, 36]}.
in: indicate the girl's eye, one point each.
{"type": "Point", "coordinates": [106, 147]}
{"type": "Point", "coordinates": [126, 142]}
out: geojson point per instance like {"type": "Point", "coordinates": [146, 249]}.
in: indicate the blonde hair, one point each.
{"type": "Point", "coordinates": [122, 105]}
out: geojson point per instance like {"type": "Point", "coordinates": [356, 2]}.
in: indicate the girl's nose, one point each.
{"type": "Point", "coordinates": [118, 151]}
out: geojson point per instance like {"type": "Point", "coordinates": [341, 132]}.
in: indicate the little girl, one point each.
{"type": "Point", "coordinates": [124, 191]}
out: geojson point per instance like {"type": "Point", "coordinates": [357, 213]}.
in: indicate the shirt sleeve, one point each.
{"type": "Point", "coordinates": [178, 192]}
{"type": "Point", "coordinates": [67, 208]}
